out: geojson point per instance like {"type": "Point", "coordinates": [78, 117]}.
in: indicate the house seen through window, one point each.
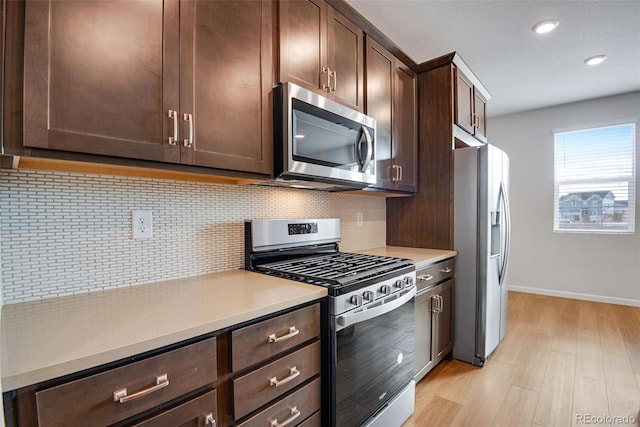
{"type": "Point", "coordinates": [595, 177]}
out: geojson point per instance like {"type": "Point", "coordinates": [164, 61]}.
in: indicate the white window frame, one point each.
{"type": "Point", "coordinates": [631, 182]}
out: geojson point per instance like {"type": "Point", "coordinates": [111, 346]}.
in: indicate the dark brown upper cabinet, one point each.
{"type": "Point", "coordinates": [171, 81]}
{"type": "Point", "coordinates": [391, 100]}
{"type": "Point", "coordinates": [426, 219]}
{"type": "Point", "coordinates": [321, 50]}
{"type": "Point", "coordinates": [471, 105]}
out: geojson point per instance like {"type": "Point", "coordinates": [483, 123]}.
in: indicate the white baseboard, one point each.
{"type": "Point", "coordinates": [575, 295]}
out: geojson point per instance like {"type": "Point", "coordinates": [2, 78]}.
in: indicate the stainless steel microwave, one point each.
{"type": "Point", "coordinates": [321, 144]}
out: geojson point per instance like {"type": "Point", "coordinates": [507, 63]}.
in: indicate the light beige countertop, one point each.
{"type": "Point", "coordinates": [45, 339]}
{"type": "Point", "coordinates": [421, 257]}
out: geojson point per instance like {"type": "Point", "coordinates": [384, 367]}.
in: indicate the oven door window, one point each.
{"type": "Point", "coordinates": [326, 139]}
{"type": "Point", "coordinates": [375, 360]}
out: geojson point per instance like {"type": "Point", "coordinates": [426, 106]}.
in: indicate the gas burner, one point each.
{"type": "Point", "coordinates": [335, 270]}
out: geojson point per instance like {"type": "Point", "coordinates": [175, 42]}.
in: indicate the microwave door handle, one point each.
{"type": "Point", "coordinates": [357, 148]}
{"type": "Point", "coordinates": [369, 157]}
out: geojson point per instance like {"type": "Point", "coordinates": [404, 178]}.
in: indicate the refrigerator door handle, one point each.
{"type": "Point", "coordinates": [507, 232]}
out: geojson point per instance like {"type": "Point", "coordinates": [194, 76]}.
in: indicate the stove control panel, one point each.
{"type": "Point", "coordinates": [372, 294]}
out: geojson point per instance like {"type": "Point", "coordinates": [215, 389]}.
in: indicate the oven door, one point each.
{"type": "Point", "coordinates": [374, 357]}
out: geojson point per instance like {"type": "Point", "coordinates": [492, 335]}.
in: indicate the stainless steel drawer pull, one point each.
{"type": "Point", "coordinates": [445, 270]}
{"type": "Point", "coordinates": [209, 420]}
{"type": "Point", "coordinates": [121, 395]}
{"type": "Point", "coordinates": [425, 277]}
{"type": "Point", "coordinates": [274, 382]}
{"type": "Point", "coordinates": [295, 413]}
{"type": "Point", "coordinates": [292, 333]}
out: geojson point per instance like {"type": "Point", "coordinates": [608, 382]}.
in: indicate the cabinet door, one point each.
{"type": "Point", "coordinates": [464, 102]}
{"type": "Point", "coordinates": [480, 111]}
{"type": "Point", "coordinates": [443, 331]}
{"type": "Point", "coordinates": [226, 78]}
{"type": "Point", "coordinates": [380, 68]}
{"type": "Point", "coordinates": [424, 352]}
{"type": "Point", "coordinates": [345, 58]}
{"type": "Point", "coordinates": [405, 138]}
{"type": "Point", "coordinates": [303, 43]}
{"type": "Point", "coordinates": [100, 77]}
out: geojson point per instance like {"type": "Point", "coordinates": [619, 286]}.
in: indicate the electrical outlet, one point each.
{"type": "Point", "coordinates": [142, 224]}
{"type": "Point", "coordinates": [359, 219]}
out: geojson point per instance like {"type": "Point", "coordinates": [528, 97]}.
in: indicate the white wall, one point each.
{"type": "Point", "coordinates": [583, 266]}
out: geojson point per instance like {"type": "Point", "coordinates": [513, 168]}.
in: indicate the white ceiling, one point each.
{"type": "Point", "coordinates": [522, 70]}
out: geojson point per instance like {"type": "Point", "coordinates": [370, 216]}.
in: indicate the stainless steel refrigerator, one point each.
{"type": "Point", "coordinates": [481, 237]}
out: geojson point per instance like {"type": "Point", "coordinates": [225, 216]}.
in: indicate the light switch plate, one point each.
{"type": "Point", "coordinates": [142, 224]}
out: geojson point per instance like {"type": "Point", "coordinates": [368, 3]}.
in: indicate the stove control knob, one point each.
{"type": "Point", "coordinates": [408, 281]}
{"type": "Point", "coordinates": [385, 290]}
{"type": "Point", "coordinates": [356, 300]}
{"type": "Point", "coordinates": [399, 284]}
{"type": "Point", "coordinates": [367, 296]}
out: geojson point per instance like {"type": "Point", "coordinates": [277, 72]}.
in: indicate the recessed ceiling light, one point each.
{"type": "Point", "coordinates": [595, 60]}
{"type": "Point", "coordinates": [545, 26]}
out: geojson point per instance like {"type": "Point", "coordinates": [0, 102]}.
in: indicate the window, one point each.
{"type": "Point", "coordinates": [595, 169]}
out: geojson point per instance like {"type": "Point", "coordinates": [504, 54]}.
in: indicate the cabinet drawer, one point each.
{"type": "Point", "coordinates": [92, 398]}
{"type": "Point", "coordinates": [296, 408]}
{"type": "Point", "coordinates": [258, 387]}
{"type": "Point", "coordinates": [268, 338]}
{"type": "Point", "coordinates": [201, 411]}
{"type": "Point", "coordinates": [436, 273]}
{"type": "Point", "coordinates": [313, 421]}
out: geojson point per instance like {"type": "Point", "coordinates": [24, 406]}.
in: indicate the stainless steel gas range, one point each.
{"type": "Point", "coordinates": [368, 317]}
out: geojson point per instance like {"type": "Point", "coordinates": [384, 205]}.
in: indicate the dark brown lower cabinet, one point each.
{"type": "Point", "coordinates": [291, 410]}
{"type": "Point", "coordinates": [443, 321]}
{"type": "Point", "coordinates": [273, 380]}
{"type": "Point", "coordinates": [434, 315]}
{"type": "Point", "coordinates": [197, 412]}
{"type": "Point", "coordinates": [281, 381]}
{"type": "Point", "coordinates": [192, 383]}
{"type": "Point", "coordinates": [117, 394]}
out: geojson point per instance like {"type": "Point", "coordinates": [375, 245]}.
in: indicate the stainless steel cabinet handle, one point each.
{"type": "Point", "coordinates": [293, 373]}
{"type": "Point", "coordinates": [440, 304]}
{"type": "Point", "coordinates": [327, 71]}
{"type": "Point", "coordinates": [395, 173]}
{"type": "Point", "coordinates": [173, 114]}
{"type": "Point", "coordinates": [189, 142]}
{"type": "Point", "coordinates": [445, 270]}
{"type": "Point", "coordinates": [437, 307]}
{"type": "Point", "coordinates": [209, 420]}
{"type": "Point", "coordinates": [425, 277]}
{"type": "Point", "coordinates": [295, 413]}
{"type": "Point", "coordinates": [401, 173]}
{"type": "Point", "coordinates": [121, 395]}
{"type": "Point", "coordinates": [333, 74]}
{"type": "Point", "coordinates": [292, 333]}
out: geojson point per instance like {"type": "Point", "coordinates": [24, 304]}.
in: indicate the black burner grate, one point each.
{"type": "Point", "coordinates": [337, 269]}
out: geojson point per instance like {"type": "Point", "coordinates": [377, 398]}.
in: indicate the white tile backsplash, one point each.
{"type": "Point", "coordinates": [68, 233]}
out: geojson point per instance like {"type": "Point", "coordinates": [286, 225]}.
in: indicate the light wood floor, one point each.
{"type": "Point", "coordinates": [559, 358]}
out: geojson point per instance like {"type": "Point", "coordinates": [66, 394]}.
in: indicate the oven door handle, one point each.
{"type": "Point", "coordinates": [353, 318]}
